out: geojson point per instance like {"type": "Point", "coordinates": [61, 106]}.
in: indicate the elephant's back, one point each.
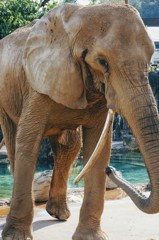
{"type": "Point", "coordinates": [11, 53]}
{"type": "Point", "coordinates": [12, 76]}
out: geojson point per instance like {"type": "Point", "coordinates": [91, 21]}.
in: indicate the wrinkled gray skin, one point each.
{"type": "Point", "coordinates": [52, 77]}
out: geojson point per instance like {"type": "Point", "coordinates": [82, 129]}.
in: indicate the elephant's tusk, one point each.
{"type": "Point", "coordinates": [99, 147]}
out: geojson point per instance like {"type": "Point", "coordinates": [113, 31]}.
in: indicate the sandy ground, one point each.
{"type": "Point", "coordinates": [121, 220]}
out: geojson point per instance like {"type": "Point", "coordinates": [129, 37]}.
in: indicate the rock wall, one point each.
{"type": "Point", "coordinates": [45, 158]}
{"type": "Point", "coordinates": [41, 185]}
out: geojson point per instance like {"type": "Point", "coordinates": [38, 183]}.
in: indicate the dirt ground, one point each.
{"type": "Point", "coordinates": [121, 220]}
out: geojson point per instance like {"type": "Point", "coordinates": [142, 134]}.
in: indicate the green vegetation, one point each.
{"type": "Point", "coordinates": [70, 1]}
{"type": "Point", "coordinates": [153, 68]}
{"type": "Point", "coordinates": [17, 13]}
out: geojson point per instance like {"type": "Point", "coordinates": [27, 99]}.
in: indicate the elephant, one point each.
{"type": "Point", "coordinates": [74, 69]}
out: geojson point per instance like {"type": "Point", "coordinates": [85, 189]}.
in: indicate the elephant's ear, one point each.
{"type": "Point", "coordinates": [48, 62]}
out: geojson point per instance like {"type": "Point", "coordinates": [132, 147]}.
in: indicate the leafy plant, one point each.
{"type": "Point", "coordinates": [17, 13]}
{"type": "Point", "coordinates": [69, 1]}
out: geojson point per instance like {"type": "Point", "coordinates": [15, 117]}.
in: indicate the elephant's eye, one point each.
{"type": "Point", "coordinates": [104, 63]}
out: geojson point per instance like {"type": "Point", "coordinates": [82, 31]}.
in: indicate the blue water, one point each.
{"type": "Point", "coordinates": [131, 165]}
{"type": "Point", "coordinates": [132, 173]}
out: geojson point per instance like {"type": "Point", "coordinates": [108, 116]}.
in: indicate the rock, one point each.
{"type": "Point", "coordinates": [114, 194]}
{"type": "Point", "coordinates": [3, 156]}
{"type": "Point", "coordinates": [45, 156]}
{"type": "Point", "coordinates": [75, 195]}
{"type": "Point", "coordinates": [41, 185]}
{"type": "Point", "coordinates": [74, 199]}
{"type": "Point", "coordinates": [4, 202]}
{"type": "Point", "coordinates": [130, 143]}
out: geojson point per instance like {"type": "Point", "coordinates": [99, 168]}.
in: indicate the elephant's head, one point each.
{"type": "Point", "coordinates": [74, 49]}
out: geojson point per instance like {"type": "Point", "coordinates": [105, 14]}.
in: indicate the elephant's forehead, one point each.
{"type": "Point", "coordinates": [103, 20]}
{"type": "Point", "coordinates": [113, 27]}
{"type": "Point", "coordinates": [106, 13]}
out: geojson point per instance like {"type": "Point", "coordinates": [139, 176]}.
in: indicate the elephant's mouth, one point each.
{"type": "Point", "coordinates": [90, 79]}
{"type": "Point", "coordinates": [100, 145]}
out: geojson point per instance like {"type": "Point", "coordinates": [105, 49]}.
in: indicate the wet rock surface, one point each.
{"type": "Point", "coordinates": [41, 185]}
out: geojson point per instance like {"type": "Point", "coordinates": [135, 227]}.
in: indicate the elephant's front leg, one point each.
{"type": "Point", "coordinates": [95, 184]}
{"type": "Point", "coordinates": [65, 149]}
{"type": "Point", "coordinates": [28, 140]}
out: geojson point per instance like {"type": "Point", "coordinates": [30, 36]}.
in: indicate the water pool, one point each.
{"type": "Point", "coordinates": [131, 165]}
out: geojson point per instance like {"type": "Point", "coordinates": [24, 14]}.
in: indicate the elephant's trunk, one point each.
{"type": "Point", "coordinates": [143, 119]}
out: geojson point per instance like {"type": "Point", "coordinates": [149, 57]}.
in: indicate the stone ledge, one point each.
{"type": "Point", "coordinates": [115, 194]}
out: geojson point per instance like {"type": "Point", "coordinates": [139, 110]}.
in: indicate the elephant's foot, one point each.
{"type": "Point", "coordinates": [89, 235]}
{"type": "Point", "coordinates": [58, 209]}
{"type": "Point", "coordinates": [16, 234]}
{"type": "Point", "coordinates": [16, 230]}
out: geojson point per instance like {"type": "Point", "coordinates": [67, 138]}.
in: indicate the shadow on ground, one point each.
{"type": "Point", "coordinates": [44, 223]}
